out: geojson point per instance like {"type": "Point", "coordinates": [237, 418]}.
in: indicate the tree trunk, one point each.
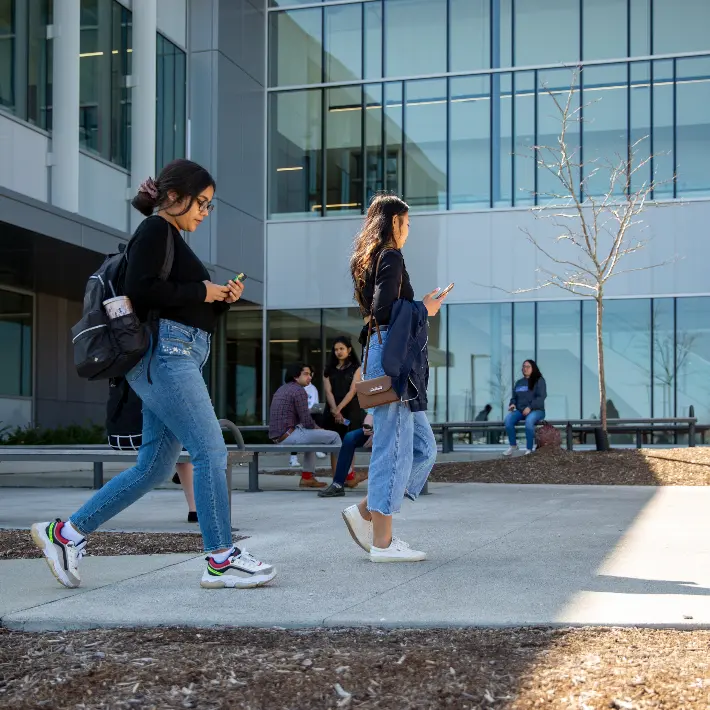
{"type": "Point", "coordinates": [600, 361]}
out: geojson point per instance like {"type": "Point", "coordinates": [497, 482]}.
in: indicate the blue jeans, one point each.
{"type": "Point", "coordinates": [403, 447]}
{"type": "Point", "coordinates": [176, 410]}
{"type": "Point", "coordinates": [512, 418]}
{"type": "Point", "coordinates": [353, 440]}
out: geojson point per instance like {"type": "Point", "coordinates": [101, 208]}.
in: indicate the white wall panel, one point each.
{"type": "Point", "coordinates": [23, 159]}
{"type": "Point", "coordinates": [102, 193]}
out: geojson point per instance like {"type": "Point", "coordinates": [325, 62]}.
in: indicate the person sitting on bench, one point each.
{"type": "Point", "coordinates": [346, 458]}
{"type": "Point", "coordinates": [291, 422]}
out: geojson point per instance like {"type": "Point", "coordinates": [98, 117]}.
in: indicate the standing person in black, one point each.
{"type": "Point", "coordinates": [339, 379]}
{"type": "Point", "coordinates": [177, 408]}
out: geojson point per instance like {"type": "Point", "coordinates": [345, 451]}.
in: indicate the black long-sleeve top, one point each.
{"type": "Point", "coordinates": [386, 287]}
{"type": "Point", "coordinates": [182, 296]}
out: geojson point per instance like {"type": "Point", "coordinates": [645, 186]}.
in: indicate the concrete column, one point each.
{"type": "Point", "coordinates": [145, 26]}
{"type": "Point", "coordinates": [65, 105]}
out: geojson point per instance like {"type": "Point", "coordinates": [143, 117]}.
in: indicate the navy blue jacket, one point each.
{"type": "Point", "coordinates": [534, 398]}
{"type": "Point", "coordinates": [404, 356]}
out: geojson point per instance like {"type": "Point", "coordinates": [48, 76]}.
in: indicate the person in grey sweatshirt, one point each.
{"type": "Point", "coordinates": [527, 403]}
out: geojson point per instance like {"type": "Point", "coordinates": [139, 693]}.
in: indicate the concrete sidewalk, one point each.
{"type": "Point", "coordinates": [498, 555]}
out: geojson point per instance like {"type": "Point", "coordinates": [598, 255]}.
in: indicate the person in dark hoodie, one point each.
{"type": "Point", "coordinates": [527, 403]}
{"type": "Point", "coordinates": [403, 446]}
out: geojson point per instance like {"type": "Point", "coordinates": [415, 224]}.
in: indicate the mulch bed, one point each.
{"type": "Point", "coordinates": [17, 544]}
{"type": "Point", "coordinates": [511, 669]}
{"type": "Point", "coordinates": [620, 467]}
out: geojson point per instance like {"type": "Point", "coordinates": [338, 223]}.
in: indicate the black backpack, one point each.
{"type": "Point", "coordinates": [103, 347]}
{"type": "Point", "coordinates": [124, 410]}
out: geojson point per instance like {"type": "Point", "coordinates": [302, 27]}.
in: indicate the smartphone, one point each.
{"type": "Point", "coordinates": [239, 277]}
{"type": "Point", "coordinates": [443, 293]}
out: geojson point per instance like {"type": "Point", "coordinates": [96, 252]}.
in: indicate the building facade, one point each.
{"type": "Point", "coordinates": [303, 110]}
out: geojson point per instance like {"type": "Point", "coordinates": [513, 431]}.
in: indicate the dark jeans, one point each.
{"type": "Point", "coordinates": [353, 440]}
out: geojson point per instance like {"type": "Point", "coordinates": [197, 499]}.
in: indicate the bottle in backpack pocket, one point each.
{"type": "Point", "coordinates": [118, 306]}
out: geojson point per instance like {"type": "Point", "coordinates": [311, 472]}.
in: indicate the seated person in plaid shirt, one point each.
{"type": "Point", "coordinates": [291, 421]}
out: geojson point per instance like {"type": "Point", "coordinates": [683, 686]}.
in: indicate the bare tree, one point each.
{"type": "Point", "coordinates": [595, 231]}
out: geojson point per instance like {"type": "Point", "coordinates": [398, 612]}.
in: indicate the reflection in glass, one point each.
{"type": "Point", "coordinates": [693, 126]}
{"type": "Point", "coordinates": [393, 137]}
{"type": "Point", "coordinates": [665, 367]}
{"type": "Point", "coordinates": [602, 38]}
{"type": "Point", "coordinates": [374, 166]}
{"type": "Point", "coordinates": [523, 335]}
{"type": "Point", "coordinates": [373, 39]}
{"type": "Point", "coordinates": [39, 62]}
{"type": "Point", "coordinates": [502, 139]}
{"type": "Point", "coordinates": [469, 35]}
{"type": "Point", "coordinates": [524, 132]}
{"type": "Point", "coordinates": [294, 336]}
{"type": "Point", "coordinates": [662, 135]}
{"type": "Point", "coordinates": [295, 47]}
{"type": "Point", "coordinates": [7, 53]}
{"type": "Point", "coordinates": [546, 33]}
{"type": "Point", "coordinates": [244, 366]}
{"type": "Point", "coordinates": [425, 149]}
{"type": "Point", "coordinates": [343, 149]}
{"type": "Point", "coordinates": [559, 357]}
{"type": "Point", "coordinates": [605, 143]}
{"type": "Point", "coordinates": [680, 27]}
{"type": "Point", "coordinates": [693, 356]}
{"type": "Point", "coordinates": [343, 43]}
{"type": "Point", "coordinates": [121, 65]}
{"type": "Point", "coordinates": [295, 174]}
{"type": "Point", "coordinates": [640, 114]}
{"type": "Point", "coordinates": [170, 142]}
{"type": "Point", "coordinates": [470, 141]}
{"type": "Point", "coordinates": [438, 358]}
{"type": "Point", "coordinates": [415, 37]}
{"type": "Point", "coordinates": [16, 338]}
{"type": "Point", "coordinates": [640, 28]}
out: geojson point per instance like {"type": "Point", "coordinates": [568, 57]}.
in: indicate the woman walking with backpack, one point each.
{"type": "Point", "coordinates": [177, 409]}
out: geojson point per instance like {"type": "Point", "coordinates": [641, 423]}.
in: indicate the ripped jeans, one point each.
{"type": "Point", "coordinates": [403, 447]}
{"type": "Point", "coordinates": [177, 410]}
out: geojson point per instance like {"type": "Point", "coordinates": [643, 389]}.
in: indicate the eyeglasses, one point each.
{"type": "Point", "coordinates": [205, 206]}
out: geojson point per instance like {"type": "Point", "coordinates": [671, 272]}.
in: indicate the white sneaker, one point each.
{"type": "Point", "coordinates": [240, 570]}
{"type": "Point", "coordinates": [359, 528]}
{"type": "Point", "coordinates": [320, 455]}
{"type": "Point", "coordinates": [293, 463]}
{"type": "Point", "coordinates": [398, 551]}
{"type": "Point", "coordinates": [528, 451]}
{"type": "Point", "coordinates": [510, 450]}
{"type": "Point", "coordinates": [62, 555]}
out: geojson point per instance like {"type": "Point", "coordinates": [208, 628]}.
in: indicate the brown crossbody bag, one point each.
{"type": "Point", "coordinates": [377, 391]}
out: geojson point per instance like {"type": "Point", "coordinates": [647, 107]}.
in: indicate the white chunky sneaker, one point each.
{"type": "Point", "coordinates": [359, 528]}
{"type": "Point", "coordinates": [293, 463]}
{"type": "Point", "coordinates": [528, 452]}
{"type": "Point", "coordinates": [398, 551]}
{"type": "Point", "coordinates": [62, 555]}
{"type": "Point", "coordinates": [320, 454]}
{"type": "Point", "coordinates": [510, 450]}
{"type": "Point", "coordinates": [240, 570]}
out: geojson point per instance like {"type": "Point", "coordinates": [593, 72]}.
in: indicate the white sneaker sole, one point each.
{"type": "Point", "coordinates": [413, 558]}
{"type": "Point", "coordinates": [51, 557]}
{"type": "Point", "coordinates": [233, 582]}
{"type": "Point", "coordinates": [364, 545]}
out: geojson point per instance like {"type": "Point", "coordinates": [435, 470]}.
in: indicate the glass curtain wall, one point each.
{"type": "Point", "coordinates": [170, 112]}
{"type": "Point", "coordinates": [16, 317]}
{"type": "Point", "coordinates": [466, 141]}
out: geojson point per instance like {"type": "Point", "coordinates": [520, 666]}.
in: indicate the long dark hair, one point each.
{"type": "Point", "coordinates": [376, 234]}
{"type": "Point", "coordinates": [333, 359]}
{"type": "Point", "coordinates": [183, 177]}
{"type": "Point", "coordinates": [535, 375]}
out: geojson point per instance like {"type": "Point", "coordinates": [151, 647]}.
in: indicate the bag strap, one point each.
{"type": "Point", "coordinates": [372, 312]}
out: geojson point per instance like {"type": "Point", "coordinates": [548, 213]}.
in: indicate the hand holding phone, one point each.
{"type": "Point", "coordinates": [443, 293]}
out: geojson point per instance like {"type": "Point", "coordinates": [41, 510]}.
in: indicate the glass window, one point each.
{"type": "Point", "coordinates": [680, 27]}
{"type": "Point", "coordinates": [640, 109]}
{"type": "Point", "coordinates": [425, 150]}
{"type": "Point", "coordinates": [295, 170]}
{"type": "Point", "coordinates": [294, 336]}
{"type": "Point", "coordinates": [374, 134]}
{"type": "Point", "coordinates": [693, 126]}
{"type": "Point", "coordinates": [343, 150]}
{"type": "Point", "coordinates": [693, 356]}
{"type": "Point", "coordinates": [170, 108]}
{"type": "Point", "coordinates": [39, 63]}
{"type": "Point", "coordinates": [601, 38]}
{"type": "Point", "coordinates": [244, 366]}
{"type": "Point", "coordinates": [470, 35]}
{"type": "Point", "coordinates": [480, 367]}
{"type": "Point", "coordinates": [559, 357]}
{"type": "Point", "coordinates": [415, 37]}
{"type": "Point", "coordinates": [665, 368]}
{"type": "Point", "coordinates": [438, 360]}
{"type": "Point", "coordinates": [604, 134]}
{"type": "Point", "coordinates": [502, 139]}
{"type": "Point", "coordinates": [121, 64]}
{"type": "Point", "coordinates": [524, 138]}
{"type": "Point", "coordinates": [556, 83]}
{"type": "Point", "coordinates": [7, 53]}
{"type": "Point", "coordinates": [470, 141]}
{"type": "Point", "coordinates": [16, 339]}
{"type": "Point", "coordinates": [394, 116]}
{"type": "Point", "coordinates": [523, 336]}
{"type": "Point", "coordinates": [343, 42]}
{"type": "Point", "coordinates": [546, 33]}
{"type": "Point", "coordinates": [662, 131]}
{"type": "Point", "coordinates": [373, 39]}
{"type": "Point", "coordinates": [627, 358]}
{"type": "Point", "coordinates": [296, 47]}
{"type": "Point", "coordinates": [640, 27]}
